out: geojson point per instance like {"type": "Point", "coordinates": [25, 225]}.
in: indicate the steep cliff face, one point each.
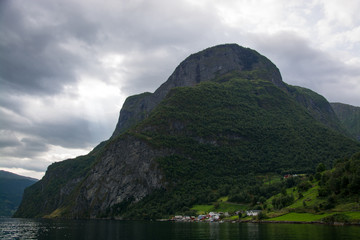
{"type": "Point", "coordinates": [134, 109]}
{"type": "Point", "coordinates": [127, 171]}
{"type": "Point", "coordinates": [56, 189]}
{"type": "Point", "coordinates": [199, 67]}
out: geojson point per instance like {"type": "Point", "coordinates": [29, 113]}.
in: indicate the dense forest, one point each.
{"type": "Point", "coordinates": [226, 134]}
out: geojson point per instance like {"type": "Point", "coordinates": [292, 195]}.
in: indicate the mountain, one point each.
{"type": "Point", "coordinates": [217, 61]}
{"type": "Point", "coordinates": [349, 117]}
{"type": "Point", "coordinates": [11, 191]}
{"type": "Point", "coordinates": [223, 118]}
{"type": "Point", "coordinates": [200, 67]}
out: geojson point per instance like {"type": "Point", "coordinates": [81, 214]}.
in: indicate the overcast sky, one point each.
{"type": "Point", "coordinates": [67, 66]}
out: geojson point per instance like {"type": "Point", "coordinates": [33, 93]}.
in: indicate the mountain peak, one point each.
{"type": "Point", "coordinates": [205, 65]}
{"type": "Point", "coordinates": [219, 60]}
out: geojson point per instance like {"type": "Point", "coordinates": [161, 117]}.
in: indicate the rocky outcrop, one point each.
{"type": "Point", "coordinates": [202, 66]}
{"type": "Point", "coordinates": [127, 170]}
{"type": "Point", "coordinates": [135, 108]}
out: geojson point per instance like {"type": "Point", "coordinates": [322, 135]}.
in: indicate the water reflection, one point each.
{"type": "Point", "coordinates": [128, 230]}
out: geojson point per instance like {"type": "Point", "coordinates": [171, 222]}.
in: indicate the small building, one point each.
{"type": "Point", "coordinates": [213, 216]}
{"type": "Point", "coordinates": [253, 212]}
{"type": "Point", "coordinates": [201, 217]}
{"type": "Point", "coordinates": [178, 218]}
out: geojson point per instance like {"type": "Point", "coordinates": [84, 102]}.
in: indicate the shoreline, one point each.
{"type": "Point", "coordinates": [221, 221]}
{"type": "Point", "coordinates": [265, 221]}
{"type": "Point", "coordinates": [304, 222]}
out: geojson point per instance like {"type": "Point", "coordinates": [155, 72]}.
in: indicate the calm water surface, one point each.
{"type": "Point", "coordinates": [109, 229]}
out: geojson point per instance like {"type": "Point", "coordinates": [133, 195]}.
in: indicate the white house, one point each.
{"type": "Point", "coordinates": [214, 216]}
{"type": "Point", "coordinates": [253, 212]}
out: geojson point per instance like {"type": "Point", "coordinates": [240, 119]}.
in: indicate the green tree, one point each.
{"type": "Point", "coordinates": [320, 168]}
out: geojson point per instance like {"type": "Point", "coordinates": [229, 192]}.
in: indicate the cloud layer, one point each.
{"type": "Point", "coordinates": [67, 66]}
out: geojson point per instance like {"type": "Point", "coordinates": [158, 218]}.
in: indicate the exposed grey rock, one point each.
{"type": "Point", "coordinates": [127, 170]}
{"type": "Point", "coordinates": [135, 108]}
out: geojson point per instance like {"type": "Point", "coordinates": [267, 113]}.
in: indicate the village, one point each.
{"type": "Point", "coordinates": [214, 216]}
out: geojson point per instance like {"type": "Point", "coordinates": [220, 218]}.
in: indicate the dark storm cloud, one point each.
{"type": "Point", "coordinates": [44, 44]}
{"type": "Point", "coordinates": [34, 59]}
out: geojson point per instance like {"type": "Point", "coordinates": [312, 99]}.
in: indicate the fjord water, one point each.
{"type": "Point", "coordinates": [127, 230]}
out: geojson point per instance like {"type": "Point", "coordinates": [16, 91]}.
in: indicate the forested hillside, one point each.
{"type": "Point", "coordinates": [11, 191]}
{"type": "Point", "coordinates": [349, 117]}
{"type": "Point", "coordinates": [223, 119]}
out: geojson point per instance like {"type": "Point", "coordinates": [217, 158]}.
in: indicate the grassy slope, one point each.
{"type": "Point", "coordinates": [346, 201]}
{"type": "Point", "coordinates": [346, 206]}
{"type": "Point", "coordinates": [287, 214]}
{"type": "Point", "coordinates": [300, 217]}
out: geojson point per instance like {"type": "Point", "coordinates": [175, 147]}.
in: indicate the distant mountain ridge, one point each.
{"type": "Point", "coordinates": [222, 118]}
{"type": "Point", "coordinates": [11, 191]}
{"type": "Point", "coordinates": [10, 175]}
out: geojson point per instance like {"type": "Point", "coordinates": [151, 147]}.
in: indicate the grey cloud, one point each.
{"type": "Point", "coordinates": [27, 147]}
{"type": "Point", "coordinates": [45, 45]}
{"type": "Point", "coordinates": [33, 59]}
{"type": "Point", "coordinates": [33, 164]}
{"type": "Point", "coordinates": [8, 139]}
{"type": "Point", "coordinates": [307, 66]}
{"type": "Point", "coordinates": [142, 31]}
{"type": "Point", "coordinates": [73, 133]}
{"type": "Point", "coordinates": [67, 130]}
{"type": "Point", "coordinates": [34, 146]}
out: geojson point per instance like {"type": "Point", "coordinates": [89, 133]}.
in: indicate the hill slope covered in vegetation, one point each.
{"type": "Point", "coordinates": [222, 119]}
{"type": "Point", "coordinates": [349, 116]}
{"type": "Point", "coordinates": [11, 191]}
